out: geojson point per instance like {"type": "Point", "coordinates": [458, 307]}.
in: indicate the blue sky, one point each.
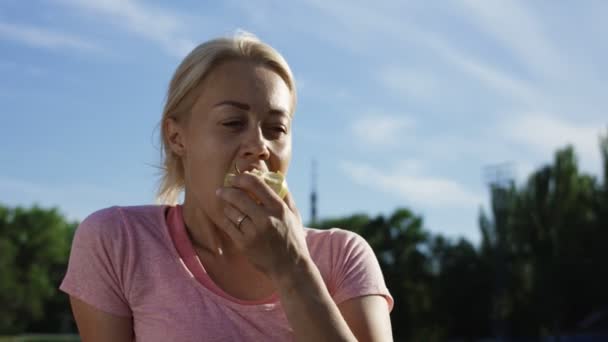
{"type": "Point", "coordinates": [401, 103]}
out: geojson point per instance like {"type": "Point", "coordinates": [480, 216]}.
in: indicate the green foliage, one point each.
{"type": "Point", "coordinates": [34, 247]}
{"type": "Point", "coordinates": [548, 242]}
{"type": "Point", "coordinates": [539, 269]}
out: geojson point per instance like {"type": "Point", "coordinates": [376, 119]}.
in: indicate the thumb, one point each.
{"type": "Point", "coordinates": [291, 204]}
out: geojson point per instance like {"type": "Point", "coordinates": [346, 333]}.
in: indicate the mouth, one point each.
{"type": "Point", "coordinates": [262, 167]}
{"type": "Point", "coordinates": [276, 180]}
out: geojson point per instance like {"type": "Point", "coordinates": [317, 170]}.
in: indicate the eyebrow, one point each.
{"type": "Point", "coordinates": [244, 106]}
{"type": "Point", "coordinates": [236, 104]}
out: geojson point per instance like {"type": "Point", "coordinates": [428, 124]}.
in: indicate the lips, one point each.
{"type": "Point", "coordinates": [275, 180]}
{"type": "Point", "coordinates": [258, 166]}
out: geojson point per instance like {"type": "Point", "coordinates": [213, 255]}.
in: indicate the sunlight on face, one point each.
{"type": "Point", "coordinates": [242, 117]}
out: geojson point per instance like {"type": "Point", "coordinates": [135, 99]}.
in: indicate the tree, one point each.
{"type": "Point", "coordinates": [462, 289]}
{"type": "Point", "coordinates": [548, 240]}
{"type": "Point", "coordinates": [399, 242]}
{"type": "Point", "coordinates": [34, 248]}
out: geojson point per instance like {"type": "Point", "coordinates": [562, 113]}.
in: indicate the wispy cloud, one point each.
{"type": "Point", "coordinates": [520, 31]}
{"type": "Point", "coordinates": [410, 82]}
{"type": "Point", "coordinates": [44, 38]}
{"type": "Point", "coordinates": [380, 130]}
{"type": "Point", "coordinates": [422, 85]}
{"type": "Point", "coordinates": [159, 25]}
{"type": "Point", "coordinates": [365, 22]}
{"type": "Point", "coordinates": [408, 182]}
{"type": "Point", "coordinates": [545, 133]}
{"type": "Point", "coordinates": [490, 75]}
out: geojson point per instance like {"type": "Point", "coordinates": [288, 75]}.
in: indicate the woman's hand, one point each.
{"type": "Point", "coordinates": [268, 231]}
{"type": "Point", "coordinates": [272, 237]}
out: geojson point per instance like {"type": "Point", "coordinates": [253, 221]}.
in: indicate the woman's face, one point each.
{"type": "Point", "coordinates": [241, 119]}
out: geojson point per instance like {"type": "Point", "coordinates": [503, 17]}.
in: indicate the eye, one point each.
{"type": "Point", "coordinates": [233, 124]}
{"type": "Point", "coordinates": [279, 129]}
{"type": "Point", "coordinates": [275, 131]}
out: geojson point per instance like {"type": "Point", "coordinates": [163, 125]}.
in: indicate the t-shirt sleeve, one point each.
{"type": "Point", "coordinates": [94, 273]}
{"type": "Point", "coordinates": [356, 269]}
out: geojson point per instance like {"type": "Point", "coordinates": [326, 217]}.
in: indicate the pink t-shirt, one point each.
{"type": "Point", "coordinates": [139, 262]}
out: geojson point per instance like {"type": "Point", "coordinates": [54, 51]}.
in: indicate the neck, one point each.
{"type": "Point", "coordinates": [203, 232]}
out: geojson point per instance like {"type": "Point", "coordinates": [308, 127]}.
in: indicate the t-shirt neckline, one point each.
{"type": "Point", "coordinates": [192, 264]}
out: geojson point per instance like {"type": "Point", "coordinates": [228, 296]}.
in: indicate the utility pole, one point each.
{"type": "Point", "coordinates": [313, 195]}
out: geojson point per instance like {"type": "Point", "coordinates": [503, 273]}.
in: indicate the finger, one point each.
{"type": "Point", "coordinates": [258, 188]}
{"type": "Point", "coordinates": [236, 217]}
{"type": "Point", "coordinates": [243, 202]}
{"type": "Point", "coordinates": [231, 230]}
{"type": "Point", "coordinates": [291, 204]}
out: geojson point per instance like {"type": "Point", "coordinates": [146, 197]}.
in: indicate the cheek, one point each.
{"type": "Point", "coordinates": [210, 147]}
{"type": "Point", "coordinates": [208, 161]}
{"type": "Point", "coordinates": [283, 157]}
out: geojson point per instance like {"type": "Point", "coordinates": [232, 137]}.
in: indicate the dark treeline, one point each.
{"type": "Point", "coordinates": [539, 269]}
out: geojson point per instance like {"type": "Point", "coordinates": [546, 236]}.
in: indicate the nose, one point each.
{"type": "Point", "coordinates": [255, 145]}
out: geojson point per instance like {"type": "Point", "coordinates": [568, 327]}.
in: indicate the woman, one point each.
{"type": "Point", "coordinates": [233, 262]}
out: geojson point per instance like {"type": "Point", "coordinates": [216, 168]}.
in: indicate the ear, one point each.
{"type": "Point", "coordinates": [175, 136]}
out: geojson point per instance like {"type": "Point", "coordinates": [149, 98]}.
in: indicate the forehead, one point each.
{"type": "Point", "coordinates": [245, 81]}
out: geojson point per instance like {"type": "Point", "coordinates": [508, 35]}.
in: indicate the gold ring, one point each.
{"type": "Point", "coordinates": [240, 220]}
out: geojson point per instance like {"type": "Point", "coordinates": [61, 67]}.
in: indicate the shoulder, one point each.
{"type": "Point", "coordinates": [334, 237]}
{"type": "Point", "coordinates": [347, 263]}
{"type": "Point", "coordinates": [337, 246]}
{"type": "Point", "coordinates": [113, 222]}
{"type": "Point", "coordinates": [104, 220]}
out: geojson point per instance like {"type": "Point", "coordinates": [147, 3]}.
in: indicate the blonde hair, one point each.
{"type": "Point", "coordinates": [183, 91]}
